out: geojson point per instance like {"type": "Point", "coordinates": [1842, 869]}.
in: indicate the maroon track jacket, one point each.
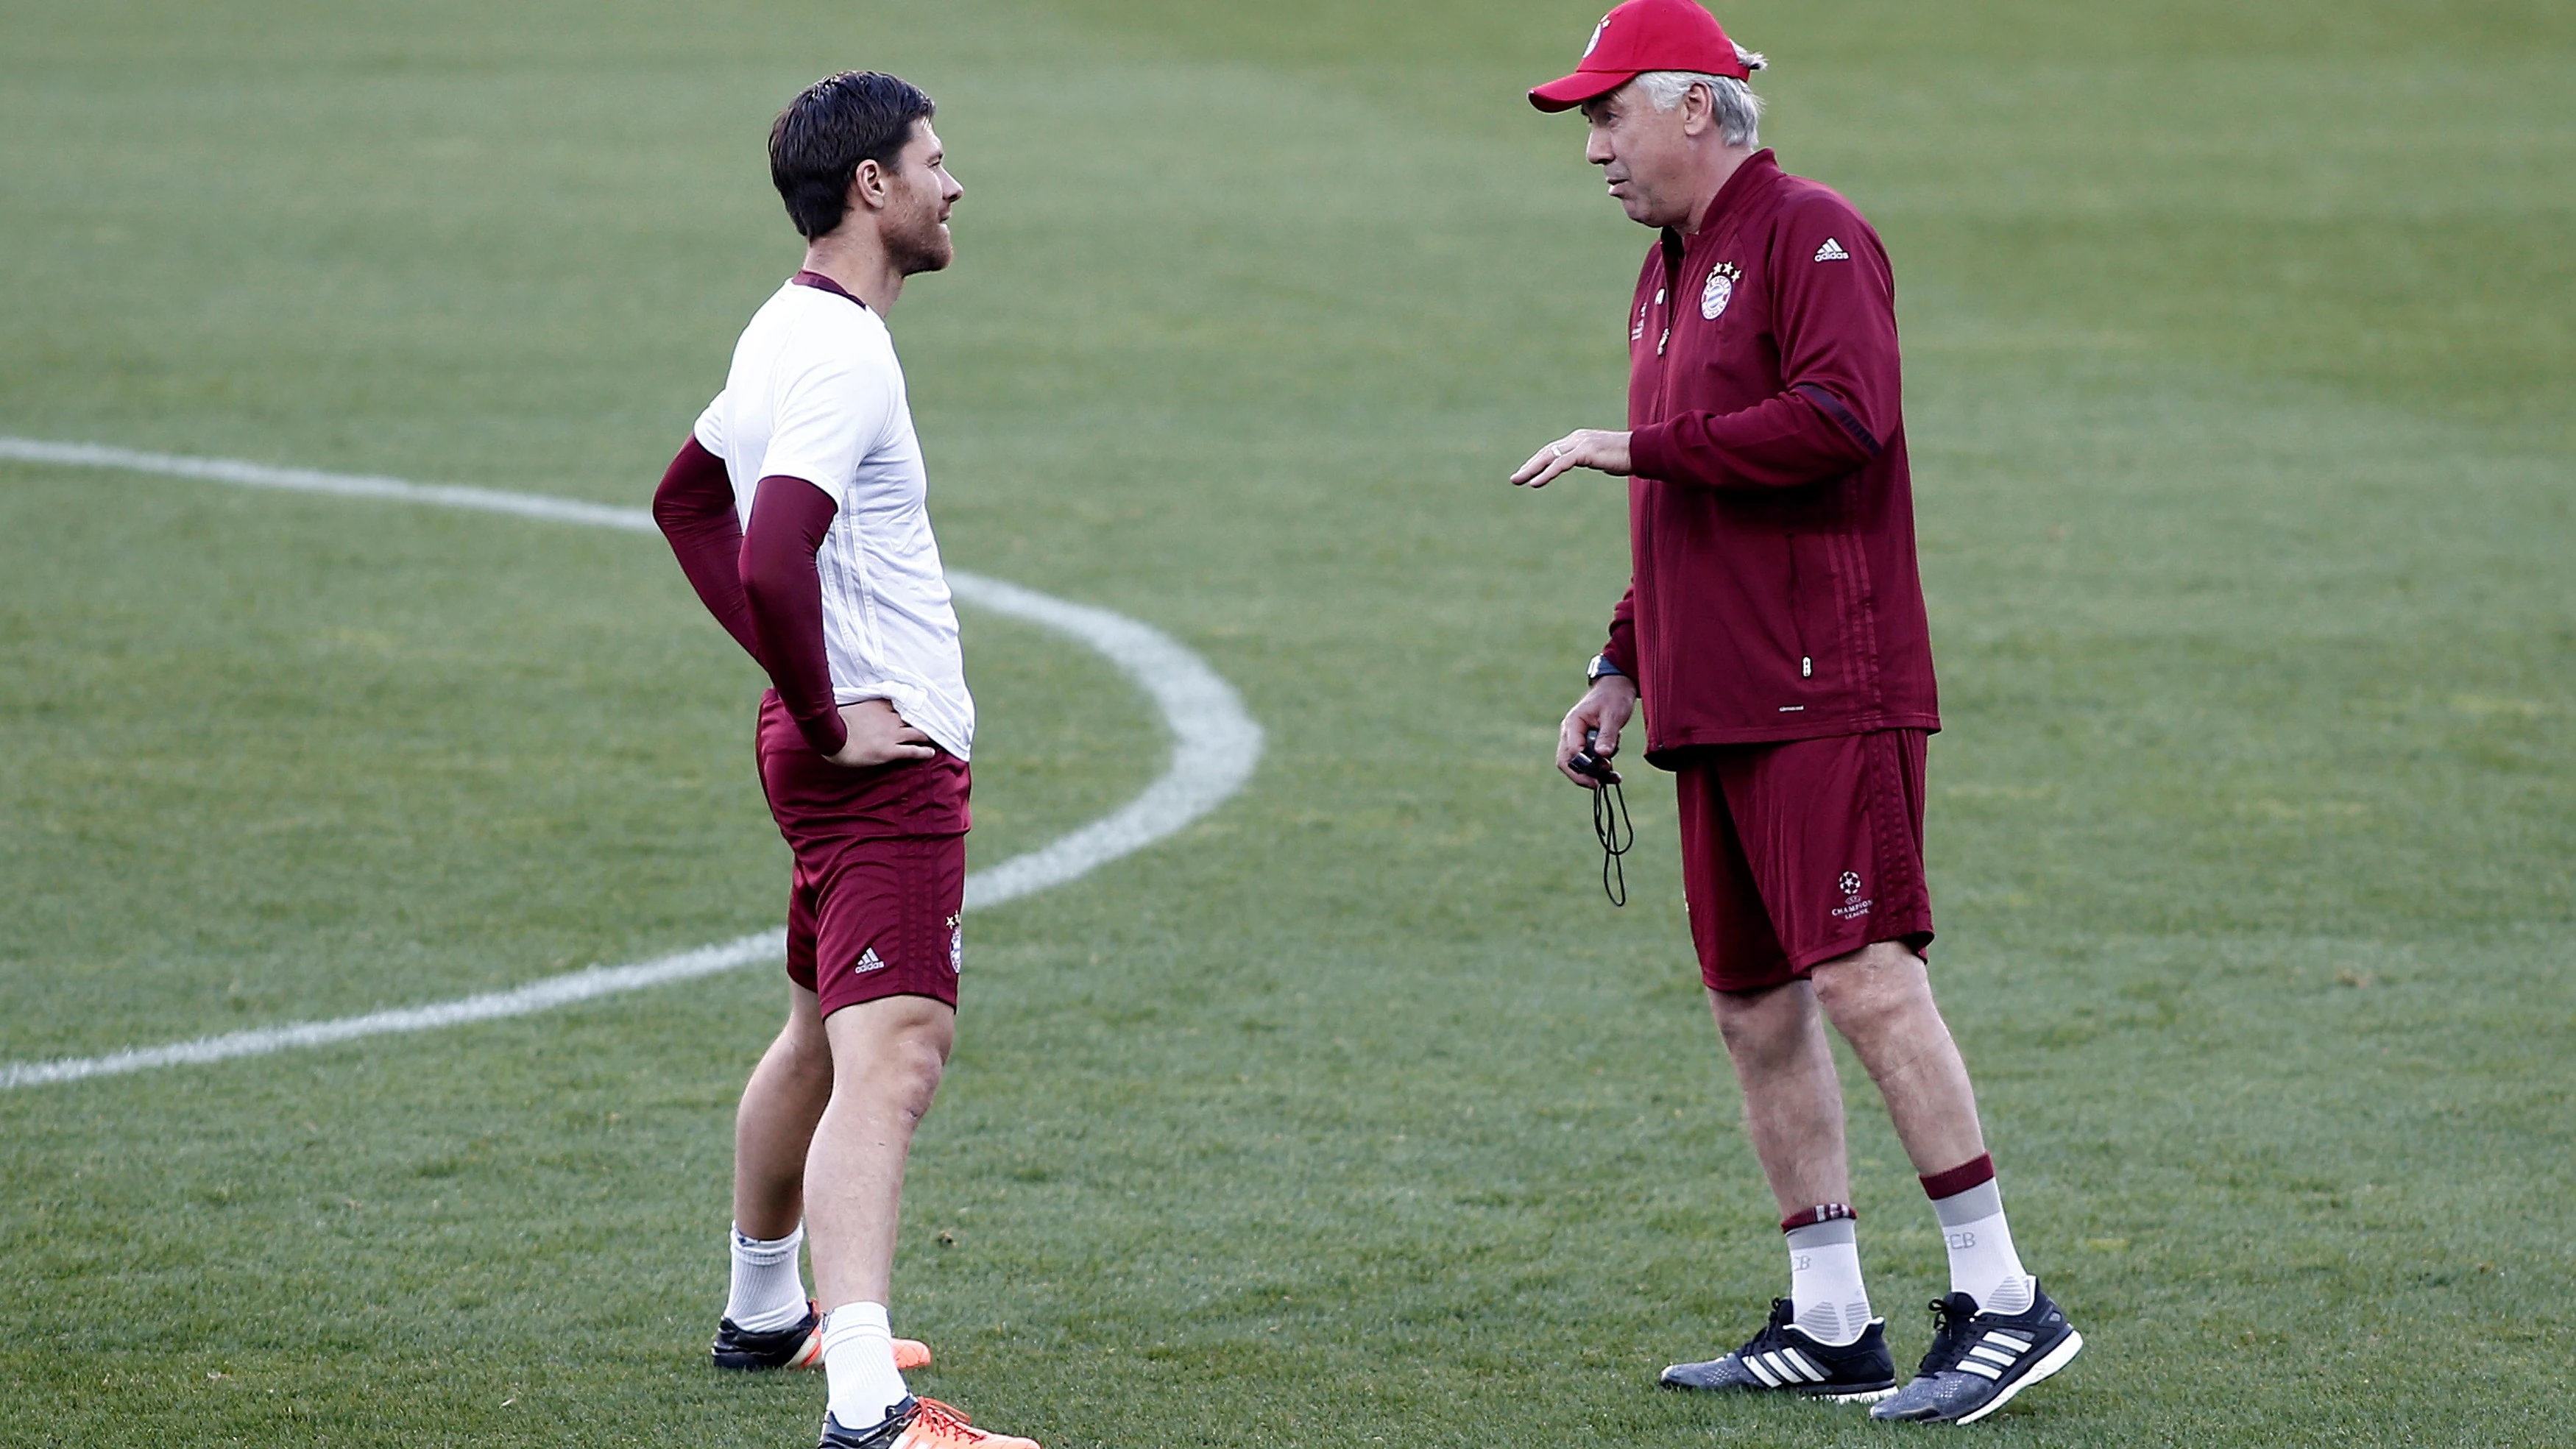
{"type": "Point", "coordinates": [1771, 519]}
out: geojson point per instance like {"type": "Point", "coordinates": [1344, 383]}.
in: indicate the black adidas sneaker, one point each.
{"type": "Point", "coordinates": [798, 1345]}
{"type": "Point", "coordinates": [1980, 1360]}
{"type": "Point", "coordinates": [1783, 1357]}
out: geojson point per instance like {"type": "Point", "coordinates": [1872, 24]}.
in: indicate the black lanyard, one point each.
{"type": "Point", "coordinates": [1611, 825]}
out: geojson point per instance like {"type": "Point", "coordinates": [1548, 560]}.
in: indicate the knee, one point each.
{"type": "Point", "coordinates": [1844, 990]}
{"type": "Point", "coordinates": [805, 1053]}
{"type": "Point", "coordinates": [1865, 991]}
{"type": "Point", "coordinates": [1741, 1030]}
{"type": "Point", "coordinates": [902, 1069]}
{"type": "Point", "coordinates": [891, 1051]}
{"type": "Point", "coordinates": [1762, 1026]}
{"type": "Point", "coordinates": [914, 1067]}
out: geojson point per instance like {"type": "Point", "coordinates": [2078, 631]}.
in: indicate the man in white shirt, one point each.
{"type": "Point", "coordinates": [798, 511]}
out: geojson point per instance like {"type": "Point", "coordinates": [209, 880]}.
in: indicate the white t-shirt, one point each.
{"type": "Point", "coordinates": [815, 393]}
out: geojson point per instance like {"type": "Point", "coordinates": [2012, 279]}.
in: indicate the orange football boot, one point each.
{"type": "Point", "coordinates": [919, 1424]}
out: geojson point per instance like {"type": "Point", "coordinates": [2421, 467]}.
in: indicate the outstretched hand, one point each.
{"type": "Point", "coordinates": [1582, 448]}
{"type": "Point", "coordinates": [879, 736]}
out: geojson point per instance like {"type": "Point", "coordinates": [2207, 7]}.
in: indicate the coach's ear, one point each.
{"type": "Point", "coordinates": [1699, 111]}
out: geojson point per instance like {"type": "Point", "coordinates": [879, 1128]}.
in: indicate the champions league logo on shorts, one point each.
{"type": "Point", "coordinates": [1852, 904]}
{"type": "Point", "coordinates": [956, 946]}
{"type": "Point", "coordinates": [1719, 291]}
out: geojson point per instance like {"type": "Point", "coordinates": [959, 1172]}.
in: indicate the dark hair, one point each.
{"type": "Point", "coordinates": [817, 143]}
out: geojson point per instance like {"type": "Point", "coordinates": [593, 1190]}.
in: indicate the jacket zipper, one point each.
{"type": "Point", "coordinates": [1668, 303]}
{"type": "Point", "coordinates": [1797, 630]}
{"type": "Point", "coordinates": [1675, 253]}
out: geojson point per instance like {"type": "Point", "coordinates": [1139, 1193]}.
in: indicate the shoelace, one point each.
{"type": "Point", "coordinates": [941, 1419]}
{"type": "Point", "coordinates": [1616, 832]}
{"type": "Point", "coordinates": [1950, 1341]}
{"type": "Point", "coordinates": [1770, 1337]}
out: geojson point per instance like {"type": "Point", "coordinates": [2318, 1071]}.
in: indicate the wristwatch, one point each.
{"type": "Point", "coordinates": [1601, 668]}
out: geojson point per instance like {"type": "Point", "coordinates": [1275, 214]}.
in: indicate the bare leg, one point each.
{"type": "Point", "coordinates": [887, 1056]}
{"type": "Point", "coordinates": [1793, 1102]}
{"type": "Point", "coordinates": [1880, 999]}
{"type": "Point", "coordinates": [775, 1124]}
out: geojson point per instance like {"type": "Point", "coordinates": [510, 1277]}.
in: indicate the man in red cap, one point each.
{"type": "Point", "coordinates": [1774, 627]}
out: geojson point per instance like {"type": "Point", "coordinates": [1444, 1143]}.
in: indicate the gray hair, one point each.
{"type": "Point", "coordinates": [1739, 110]}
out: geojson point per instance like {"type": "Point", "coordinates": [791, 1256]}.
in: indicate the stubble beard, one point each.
{"type": "Point", "coordinates": [925, 247]}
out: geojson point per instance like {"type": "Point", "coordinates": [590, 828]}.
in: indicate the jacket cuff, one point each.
{"type": "Point", "coordinates": [1650, 452]}
{"type": "Point", "coordinates": [1621, 649]}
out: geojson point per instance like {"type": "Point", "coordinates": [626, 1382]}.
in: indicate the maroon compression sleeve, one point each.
{"type": "Point", "coordinates": [695, 508]}
{"type": "Point", "coordinates": [789, 517]}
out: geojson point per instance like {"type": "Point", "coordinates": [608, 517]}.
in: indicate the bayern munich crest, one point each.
{"type": "Point", "coordinates": [1719, 291]}
{"type": "Point", "coordinates": [1594, 43]}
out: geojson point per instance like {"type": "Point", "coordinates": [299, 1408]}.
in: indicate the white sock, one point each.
{"type": "Point", "coordinates": [768, 1287]}
{"type": "Point", "coordinates": [1825, 1291]}
{"type": "Point", "coordinates": [858, 1359]}
{"type": "Point", "coordinates": [1983, 1264]}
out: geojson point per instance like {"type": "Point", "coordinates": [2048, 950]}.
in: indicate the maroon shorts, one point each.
{"type": "Point", "coordinates": [880, 875]}
{"type": "Point", "coordinates": [1796, 853]}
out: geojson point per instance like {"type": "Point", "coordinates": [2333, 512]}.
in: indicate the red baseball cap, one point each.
{"type": "Point", "coordinates": [1640, 36]}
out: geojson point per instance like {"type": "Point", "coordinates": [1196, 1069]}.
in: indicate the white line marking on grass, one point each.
{"type": "Point", "coordinates": [534, 997]}
{"type": "Point", "coordinates": [1215, 744]}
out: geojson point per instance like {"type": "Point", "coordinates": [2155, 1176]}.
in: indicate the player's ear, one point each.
{"type": "Point", "coordinates": [867, 186]}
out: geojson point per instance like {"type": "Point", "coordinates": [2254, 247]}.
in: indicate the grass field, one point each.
{"type": "Point", "coordinates": [2242, 345]}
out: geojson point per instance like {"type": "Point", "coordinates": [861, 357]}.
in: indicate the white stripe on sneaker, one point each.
{"type": "Point", "coordinates": [1769, 1379]}
{"type": "Point", "coordinates": [2055, 1359]}
{"type": "Point", "coordinates": [1981, 1370]}
{"type": "Point", "coordinates": [1805, 1365]}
